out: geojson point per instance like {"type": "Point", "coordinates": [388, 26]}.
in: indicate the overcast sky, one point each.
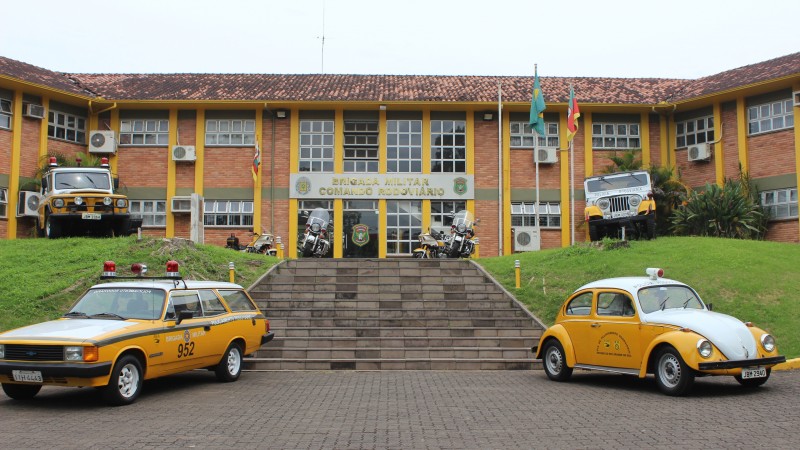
{"type": "Point", "coordinates": [613, 38]}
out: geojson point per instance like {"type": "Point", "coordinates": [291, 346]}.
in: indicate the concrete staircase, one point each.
{"type": "Point", "coordinates": [384, 314]}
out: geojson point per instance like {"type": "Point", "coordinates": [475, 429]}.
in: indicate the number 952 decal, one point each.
{"type": "Point", "coordinates": [185, 350]}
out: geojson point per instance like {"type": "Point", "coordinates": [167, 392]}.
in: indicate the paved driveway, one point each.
{"type": "Point", "coordinates": [425, 409]}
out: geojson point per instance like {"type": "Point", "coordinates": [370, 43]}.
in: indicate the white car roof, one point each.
{"type": "Point", "coordinates": [629, 284]}
{"type": "Point", "coordinates": [168, 285]}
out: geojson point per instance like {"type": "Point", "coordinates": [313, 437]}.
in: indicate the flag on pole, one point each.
{"type": "Point", "coordinates": [256, 161]}
{"type": "Point", "coordinates": [537, 105]}
{"type": "Point", "coordinates": [573, 112]}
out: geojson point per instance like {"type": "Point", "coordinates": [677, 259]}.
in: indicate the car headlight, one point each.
{"type": "Point", "coordinates": [78, 201]}
{"type": "Point", "coordinates": [2, 351]}
{"type": "Point", "coordinates": [121, 203]}
{"type": "Point", "coordinates": [604, 204]}
{"type": "Point", "coordinates": [58, 203]}
{"type": "Point", "coordinates": [106, 201]}
{"type": "Point", "coordinates": [73, 353]}
{"type": "Point", "coordinates": [704, 348]}
{"type": "Point", "coordinates": [768, 342]}
{"type": "Point", "coordinates": [634, 201]}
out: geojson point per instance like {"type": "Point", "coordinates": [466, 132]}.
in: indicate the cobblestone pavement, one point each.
{"type": "Point", "coordinates": [398, 409]}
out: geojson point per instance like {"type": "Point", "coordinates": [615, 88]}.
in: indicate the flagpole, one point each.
{"type": "Point", "coordinates": [500, 183]}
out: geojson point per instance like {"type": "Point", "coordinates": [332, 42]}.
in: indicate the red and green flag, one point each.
{"type": "Point", "coordinates": [537, 106]}
{"type": "Point", "coordinates": [256, 162]}
{"type": "Point", "coordinates": [573, 112]}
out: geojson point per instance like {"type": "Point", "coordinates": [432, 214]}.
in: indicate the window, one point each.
{"type": "Point", "coordinates": [404, 146]}
{"type": "Point", "coordinates": [524, 215]}
{"type": "Point", "coordinates": [442, 212]}
{"type": "Point", "coordinates": [5, 113]}
{"type": "Point", "coordinates": [212, 306]}
{"type": "Point", "coordinates": [612, 304]}
{"type": "Point", "coordinates": [615, 135]}
{"type": "Point", "coordinates": [780, 204]}
{"type": "Point", "coordinates": [360, 147]}
{"type": "Point", "coordinates": [316, 146]}
{"type": "Point", "coordinates": [770, 116]}
{"type": "Point", "coordinates": [522, 135]}
{"type": "Point", "coordinates": [228, 213]}
{"type": "Point", "coordinates": [448, 146]}
{"type": "Point", "coordinates": [66, 126]}
{"type": "Point", "coordinates": [152, 212]}
{"type": "Point", "coordinates": [143, 132]}
{"type": "Point", "coordinates": [580, 305]}
{"type": "Point", "coordinates": [403, 226]}
{"type": "Point", "coordinates": [694, 131]}
{"type": "Point", "coordinates": [237, 300]}
{"type": "Point", "coordinates": [3, 202]}
{"type": "Point", "coordinates": [230, 132]}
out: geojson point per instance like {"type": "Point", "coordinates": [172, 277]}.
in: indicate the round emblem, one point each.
{"type": "Point", "coordinates": [303, 185]}
{"type": "Point", "coordinates": [186, 336]}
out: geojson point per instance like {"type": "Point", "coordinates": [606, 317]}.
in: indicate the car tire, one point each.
{"type": "Point", "coordinates": [21, 391]}
{"type": "Point", "coordinates": [753, 382]}
{"type": "Point", "coordinates": [673, 376]}
{"type": "Point", "coordinates": [594, 233]}
{"type": "Point", "coordinates": [651, 228]}
{"type": "Point", "coordinates": [126, 382]}
{"type": "Point", "coordinates": [555, 362]}
{"type": "Point", "coordinates": [52, 228]}
{"type": "Point", "coordinates": [230, 366]}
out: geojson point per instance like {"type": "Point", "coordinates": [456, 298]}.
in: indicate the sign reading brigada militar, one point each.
{"type": "Point", "coordinates": [382, 186]}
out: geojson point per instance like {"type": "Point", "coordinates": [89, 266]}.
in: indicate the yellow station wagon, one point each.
{"type": "Point", "coordinates": [641, 325]}
{"type": "Point", "coordinates": [120, 333]}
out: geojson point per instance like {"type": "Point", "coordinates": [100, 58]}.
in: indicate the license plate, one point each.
{"type": "Point", "coordinates": [620, 214]}
{"type": "Point", "coordinates": [29, 376]}
{"type": "Point", "coordinates": [91, 216]}
{"type": "Point", "coordinates": [758, 372]}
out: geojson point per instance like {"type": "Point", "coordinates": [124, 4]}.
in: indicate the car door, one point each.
{"type": "Point", "coordinates": [577, 320]}
{"type": "Point", "coordinates": [615, 331]}
{"type": "Point", "coordinates": [185, 345]}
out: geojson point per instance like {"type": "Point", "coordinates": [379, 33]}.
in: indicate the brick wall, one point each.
{"type": "Point", "coordinates": [784, 231]}
{"type": "Point", "coordinates": [772, 154]}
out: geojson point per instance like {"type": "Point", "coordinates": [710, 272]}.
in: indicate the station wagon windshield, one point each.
{"type": "Point", "coordinates": [630, 180]}
{"type": "Point", "coordinates": [126, 303]}
{"type": "Point", "coordinates": [657, 298]}
{"type": "Point", "coordinates": [82, 180]}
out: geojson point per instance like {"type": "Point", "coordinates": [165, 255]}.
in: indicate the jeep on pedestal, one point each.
{"type": "Point", "coordinates": [80, 201]}
{"type": "Point", "coordinates": [620, 201]}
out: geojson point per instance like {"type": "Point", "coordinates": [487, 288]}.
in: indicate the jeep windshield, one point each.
{"type": "Point", "coordinates": [611, 182]}
{"type": "Point", "coordinates": [82, 180]}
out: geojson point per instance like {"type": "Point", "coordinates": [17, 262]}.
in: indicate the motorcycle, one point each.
{"type": "Point", "coordinates": [314, 242]}
{"type": "Point", "coordinates": [461, 243]}
{"type": "Point", "coordinates": [262, 243]}
{"type": "Point", "coordinates": [431, 246]}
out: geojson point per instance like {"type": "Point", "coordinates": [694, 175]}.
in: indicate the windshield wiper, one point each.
{"type": "Point", "coordinates": [686, 303]}
{"type": "Point", "coordinates": [107, 314]}
{"type": "Point", "coordinates": [75, 314]}
{"type": "Point", "coordinates": [636, 178]}
{"type": "Point", "coordinates": [664, 303]}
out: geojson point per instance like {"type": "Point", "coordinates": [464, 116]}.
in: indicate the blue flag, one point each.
{"type": "Point", "coordinates": [537, 106]}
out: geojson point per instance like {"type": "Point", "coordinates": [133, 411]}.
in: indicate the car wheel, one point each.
{"type": "Point", "coordinates": [753, 382]}
{"type": "Point", "coordinates": [554, 362]}
{"type": "Point", "coordinates": [126, 382]}
{"type": "Point", "coordinates": [651, 228]}
{"type": "Point", "coordinates": [673, 376]}
{"type": "Point", "coordinates": [21, 391]}
{"type": "Point", "coordinates": [230, 366]}
{"type": "Point", "coordinates": [52, 229]}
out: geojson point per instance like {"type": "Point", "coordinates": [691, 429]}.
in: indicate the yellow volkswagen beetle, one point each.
{"type": "Point", "coordinates": [120, 333]}
{"type": "Point", "coordinates": [641, 325]}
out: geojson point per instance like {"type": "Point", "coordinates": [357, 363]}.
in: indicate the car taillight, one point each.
{"type": "Point", "coordinates": [266, 325]}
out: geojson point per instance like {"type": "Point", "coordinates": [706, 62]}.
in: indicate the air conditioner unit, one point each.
{"type": "Point", "coordinates": [181, 204]}
{"type": "Point", "coordinates": [796, 98]}
{"type": "Point", "coordinates": [28, 205]}
{"type": "Point", "coordinates": [183, 153]}
{"type": "Point", "coordinates": [102, 141]}
{"type": "Point", "coordinates": [32, 110]}
{"type": "Point", "coordinates": [526, 239]}
{"type": "Point", "coordinates": [547, 156]}
{"type": "Point", "coordinates": [699, 152]}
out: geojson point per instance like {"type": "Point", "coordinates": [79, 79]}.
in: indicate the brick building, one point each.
{"type": "Point", "coordinates": [395, 153]}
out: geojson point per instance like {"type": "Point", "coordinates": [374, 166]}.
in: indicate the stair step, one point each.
{"type": "Point", "coordinates": [402, 342]}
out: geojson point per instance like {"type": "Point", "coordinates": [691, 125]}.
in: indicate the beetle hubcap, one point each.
{"type": "Point", "coordinates": [554, 360]}
{"type": "Point", "coordinates": [669, 370]}
{"type": "Point", "coordinates": [128, 381]}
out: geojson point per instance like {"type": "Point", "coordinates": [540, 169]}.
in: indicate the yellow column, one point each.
{"type": "Point", "coordinates": [566, 207]}
{"type": "Point", "coordinates": [382, 225]}
{"type": "Point", "coordinates": [171, 176]}
{"type": "Point", "coordinates": [200, 149]}
{"type": "Point", "coordinates": [506, 206]}
{"type": "Point", "coordinates": [294, 161]}
{"type": "Point", "coordinates": [719, 160]}
{"type": "Point", "coordinates": [664, 141]}
{"type": "Point", "coordinates": [587, 144]}
{"type": "Point", "coordinates": [644, 134]}
{"type": "Point", "coordinates": [16, 158]}
{"type": "Point", "coordinates": [113, 161]}
{"type": "Point", "coordinates": [338, 228]}
{"type": "Point", "coordinates": [797, 140]}
{"type": "Point", "coordinates": [259, 176]}
{"type": "Point", "coordinates": [741, 132]}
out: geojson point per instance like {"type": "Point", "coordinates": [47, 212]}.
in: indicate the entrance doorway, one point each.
{"type": "Point", "coordinates": [360, 229]}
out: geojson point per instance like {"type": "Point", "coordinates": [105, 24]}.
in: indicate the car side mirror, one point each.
{"type": "Point", "coordinates": [710, 306]}
{"type": "Point", "coordinates": [116, 183]}
{"type": "Point", "coordinates": [44, 183]}
{"type": "Point", "coordinates": [183, 315]}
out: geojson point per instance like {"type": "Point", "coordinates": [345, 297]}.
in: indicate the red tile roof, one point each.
{"type": "Point", "coordinates": [395, 88]}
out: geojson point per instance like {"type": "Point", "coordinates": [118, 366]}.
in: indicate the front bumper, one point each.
{"type": "Point", "coordinates": [59, 370]}
{"type": "Point", "coordinates": [620, 220]}
{"type": "Point", "coordinates": [716, 365]}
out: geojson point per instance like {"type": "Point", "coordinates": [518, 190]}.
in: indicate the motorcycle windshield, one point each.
{"type": "Point", "coordinates": [464, 217]}
{"type": "Point", "coordinates": [263, 239]}
{"type": "Point", "coordinates": [319, 216]}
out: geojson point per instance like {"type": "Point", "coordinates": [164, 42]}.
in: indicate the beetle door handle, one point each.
{"type": "Point", "coordinates": [207, 327]}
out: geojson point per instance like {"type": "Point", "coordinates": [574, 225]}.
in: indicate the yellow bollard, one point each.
{"type": "Point", "coordinates": [279, 247]}
{"type": "Point", "coordinates": [231, 270]}
{"type": "Point", "coordinates": [477, 253]}
{"type": "Point", "coordinates": [516, 271]}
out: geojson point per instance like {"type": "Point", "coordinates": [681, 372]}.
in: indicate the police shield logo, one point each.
{"type": "Point", "coordinates": [360, 234]}
{"type": "Point", "coordinates": [460, 186]}
{"type": "Point", "coordinates": [303, 185]}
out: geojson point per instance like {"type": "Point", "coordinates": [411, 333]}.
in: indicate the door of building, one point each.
{"type": "Point", "coordinates": [361, 233]}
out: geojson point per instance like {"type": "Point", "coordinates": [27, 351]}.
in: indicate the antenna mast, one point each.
{"type": "Point", "coordinates": [322, 62]}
